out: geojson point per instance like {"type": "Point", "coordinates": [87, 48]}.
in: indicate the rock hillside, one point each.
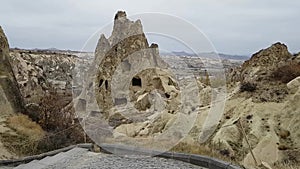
{"type": "Point", "coordinates": [8, 85]}
{"type": "Point", "coordinates": [267, 112]}
{"type": "Point", "coordinates": [38, 73]}
{"type": "Point", "coordinates": [42, 73]}
{"type": "Point", "coordinates": [259, 74]}
{"type": "Point", "coordinates": [140, 97]}
{"type": "Point", "coordinates": [11, 101]}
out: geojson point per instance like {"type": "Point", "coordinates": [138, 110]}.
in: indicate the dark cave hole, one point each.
{"type": "Point", "coordinates": [101, 82]}
{"type": "Point", "coordinates": [106, 84]}
{"type": "Point", "coordinates": [136, 81]}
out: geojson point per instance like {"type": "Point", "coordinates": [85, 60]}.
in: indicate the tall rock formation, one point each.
{"type": "Point", "coordinates": [11, 100]}
{"type": "Point", "coordinates": [127, 47]}
{"type": "Point", "coordinates": [137, 92]}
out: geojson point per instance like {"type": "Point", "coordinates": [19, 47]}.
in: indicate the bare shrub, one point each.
{"type": "Point", "coordinates": [57, 117]}
{"type": "Point", "coordinates": [248, 86]}
{"type": "Point", "coordinates": [51, 117]}
{"type": "Point", "coordinates": [287, 72]}
{"type": "Point", "coordinates": [55, 140]}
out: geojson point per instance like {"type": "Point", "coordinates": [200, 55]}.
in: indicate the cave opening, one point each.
{"type": "Point", "coordinates": [101, 82]}
{"type": "Point", "coordinates": [136, 81]}
{"type": "Point", "coordinates": [106, 84]}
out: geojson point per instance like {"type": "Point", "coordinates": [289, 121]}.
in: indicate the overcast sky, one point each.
{"type": "Point", "coordinates": [233, 26]}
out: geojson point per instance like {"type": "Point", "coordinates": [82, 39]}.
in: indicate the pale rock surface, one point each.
{"type": "Point", "coordinates": [294, 85]}
{"type": "Point", "coordinates": [8, 81]}
{"type": "Point", "coordinates": [10, 98]}
{"type": "Point", "coordinates": [259, 69]}
{"type": "Point", "coordinates": [139, 96]}
{"type": "Point", "coordinates": [132, 79]}
{"type": "Point", "coordinates": [271, 126]}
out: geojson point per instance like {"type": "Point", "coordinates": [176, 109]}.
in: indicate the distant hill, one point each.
{"type": "Point", "coordinates": [234, 57]}
{"type": "Point", "coordinates": [209, 55]}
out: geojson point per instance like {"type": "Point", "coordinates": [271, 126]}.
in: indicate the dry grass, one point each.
{"type": "Point", "coordinates": [206, 150]}
{"type": "Point", "coordinates": [195, 148]}
{"type": "Point", "coordinates": [286, 166]}
{"type": "Point", "coordinates": [27, 136]}
{"type": "Point", "coordinates": [23, 125]}
{"type": "Point", "coordinates": [54, 128]}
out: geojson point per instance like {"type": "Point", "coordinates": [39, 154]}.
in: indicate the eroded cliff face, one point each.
{"type": "Point", "coordinates": [12, 100]}
{"type": "Point", "coordinates": [41, 75]}
{"type": "Point", "coordinates": [39, 72]}
{"type": "Point", "coordinates": [137, 93]}
{"type": "Point", "coordinates": [267, 112]}
{"type": "Point", "coordinates": [261, 74]}
{"type": "Point", "coordinates": [121, 57]}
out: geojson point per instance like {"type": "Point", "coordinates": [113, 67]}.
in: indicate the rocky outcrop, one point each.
{"type": "Point", "coordinates": [260, 76]}
{"type": "Point", "coordinates": [138, 95]}
{"type": "Point", "coordinates": [38, 73]}
{"type": "Point", "coordinates": [263, 63]}
{"type": "Point", "coordinates": [9, 91]}
{"type": "Point", "coordinates": [121, 56]}
{"type": "Point", "coordinates": [270, 127]}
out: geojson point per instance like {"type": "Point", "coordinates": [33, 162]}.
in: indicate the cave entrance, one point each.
{"type": "Point", "coordinates": [136, 81]}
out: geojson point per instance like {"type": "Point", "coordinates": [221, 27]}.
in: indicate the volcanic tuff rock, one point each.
{"type": "Point", "coordinates": [38, 72]}
{"type": "Point", "coordinates": [10, 97]}
{"type": "Point", "coordinates": [122, 55]}
{"type": "Point", "coordinates": [11, 101]}
{"type": "Point", "coordinates": [259, 72]}
{"type": "Point", "coordinates": [272, 127]}
{"type": "Point", "coordinates": [262, 63]}
{"type": "Point", "coordinates": [135, 90]}
{"type": "Point", "coordinates": [9, 91]}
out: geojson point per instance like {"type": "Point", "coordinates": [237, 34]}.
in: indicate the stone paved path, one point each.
{"type": "Point", "coordinates": [79, 158]}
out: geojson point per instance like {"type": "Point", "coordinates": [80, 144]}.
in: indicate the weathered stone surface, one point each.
{"type": "Point", "coordinates": [8, 83]}
{"type": "Point", "coordinates": [271, 127]}
{"type": "Point", "coordinates": [294, 85]}
{"type": "Point", "coordinates": [259, 71]}
{"type": "Point", "coordinates": [39, 72]}
{"type": "Point", "coordinates": [134, 85]}
{"type": "Point", "coordinates": [127, 38]}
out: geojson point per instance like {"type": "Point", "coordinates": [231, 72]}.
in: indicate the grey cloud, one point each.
{"type": "Point", "coordinates": [233, 26]}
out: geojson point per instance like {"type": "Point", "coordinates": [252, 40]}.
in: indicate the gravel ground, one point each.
{"type": "Point", "coordinates": [105, 161]}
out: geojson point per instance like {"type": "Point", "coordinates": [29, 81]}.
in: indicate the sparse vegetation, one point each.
{"type": "Point", "coordinates": [55, 128]}
{"type": "Point", "coordinates": [58, 120]}
{"type": "Point", "coordinates": [286, 165]}
{"type": "Point", "coordinates": [27, 136]}
{"type": "Point", "coordinates": [25, 126]}
{"type": "Point", "coordinates": [287, 72]}
{"type": "Point", "coordinates": [248, 87]}
{"type": "Point", "coordinates": [206, 150]}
